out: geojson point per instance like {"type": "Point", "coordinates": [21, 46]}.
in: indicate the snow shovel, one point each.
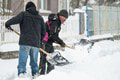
{"type": "Point", "coordinates": [54, 58]}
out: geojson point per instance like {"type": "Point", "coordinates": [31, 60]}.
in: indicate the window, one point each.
{"type": "Point", "coordinates": [62, 4]}
{"type": "Point", "coordinates": [43, 4]}
{"type": "Point", "coordinates": [4, 6]}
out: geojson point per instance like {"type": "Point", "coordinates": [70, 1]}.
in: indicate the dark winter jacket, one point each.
{"type": "Point", "coordinates": [32, 27]}
{"type": "Point", "coordinates": [54, 29]}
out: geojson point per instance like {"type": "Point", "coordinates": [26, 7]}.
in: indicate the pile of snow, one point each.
{"type": "Point", "coordinates": [101, 63]}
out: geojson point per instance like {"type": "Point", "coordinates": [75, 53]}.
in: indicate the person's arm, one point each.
{"type": "Point", "coordinates": [54, 34]}
{"type": "Point", "coordinates": [43, 29]}
{"type": "Point", "coordinates": [15, 20]}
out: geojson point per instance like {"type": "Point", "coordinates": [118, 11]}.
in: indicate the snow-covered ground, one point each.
{"type": "Point", "coordinates": [101, 63]}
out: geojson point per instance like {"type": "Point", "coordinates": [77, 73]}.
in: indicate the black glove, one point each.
{"type": "Point", "coordinates": [8, 27]}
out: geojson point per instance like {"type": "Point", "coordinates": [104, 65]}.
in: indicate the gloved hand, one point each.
{"type": "Point", "coordinates": [8, 27]}
{"type": "Point", "coordinates": [63, 44]}
{"type": "Point", "coordinates": [63, 49]}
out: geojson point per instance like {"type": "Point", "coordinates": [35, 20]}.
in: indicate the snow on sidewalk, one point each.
{"type": "Point", "coordinates": [9, 47]}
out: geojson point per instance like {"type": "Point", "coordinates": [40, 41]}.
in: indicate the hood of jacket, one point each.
{"type": "Point", "coordinates": [30, 7]}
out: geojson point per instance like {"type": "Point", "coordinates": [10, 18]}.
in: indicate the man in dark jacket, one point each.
{"type": "Point", "coordinates": [53, 27]}
{"type": "Point", "coordinates": [32, 31]}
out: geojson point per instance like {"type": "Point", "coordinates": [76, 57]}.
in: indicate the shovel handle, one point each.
{"type": "Point", "coordinates": [15, 32]}
{"type": "Point", "coordinates": [44, 51]}
{"type": "Point", "coordinates": [71, 47]}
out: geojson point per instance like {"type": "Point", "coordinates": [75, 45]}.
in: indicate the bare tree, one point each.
{"type": "Point", "coordinates": [85, 3]}
{"type": "Point", "coordinates": [74, 3]}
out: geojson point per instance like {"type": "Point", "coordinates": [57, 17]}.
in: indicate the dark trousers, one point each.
{"type": "Point", "coordinates": [43, 62]}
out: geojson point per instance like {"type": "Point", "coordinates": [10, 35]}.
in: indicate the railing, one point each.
{"type": "Point", "coordinates": [103, 20]}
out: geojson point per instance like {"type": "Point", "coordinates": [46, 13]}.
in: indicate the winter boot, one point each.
{"type": "Point", "coordinates": [50, 68]}
{"type": "Point", "coordinates": [35, 76]}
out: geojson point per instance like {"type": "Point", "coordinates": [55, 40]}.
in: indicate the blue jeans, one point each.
{"type": "Point", "coordinates": [24, 51]}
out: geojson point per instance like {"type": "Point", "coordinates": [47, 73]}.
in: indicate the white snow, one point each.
{"type": "Point", "coordinates": [78, 10]}
{"type": "Point", "coordinates": [92, 1]}
{"type": "Point", "coordinates": [101, 63]}
{"type": "Point", "coordinates": [9, 47]}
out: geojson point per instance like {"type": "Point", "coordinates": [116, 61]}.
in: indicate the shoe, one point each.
{"type": "Point", "coordinates": [42, 72]}
{"type": "Point", "coordinates": [35, 76]}
{"type": "Point", "coordinates": [50, 68]}
{"type": "Point", "coordinates": [22, 75]}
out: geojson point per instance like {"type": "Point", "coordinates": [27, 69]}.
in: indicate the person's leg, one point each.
{"type": "Point", "coordinates": [23, 55]}
{"type": "Point", "coordinates": [42, 65]}
{"type": "Point", "coordinates": [49, 67]}
{"type": "Point", "coordinates": [49, 49]}
{"type": "Point", "coordinates": [33, 60]}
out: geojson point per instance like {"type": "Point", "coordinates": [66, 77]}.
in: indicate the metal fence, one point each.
{"type": "Point", "coordinates": [103, 20]}
{"type": "Point", "coordinates": [7, 36]}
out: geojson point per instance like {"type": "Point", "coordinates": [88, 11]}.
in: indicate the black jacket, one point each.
{"type": "Point", "coordinates": [55, 27]}
{"type": "Point", "coordinates": [32, 27]}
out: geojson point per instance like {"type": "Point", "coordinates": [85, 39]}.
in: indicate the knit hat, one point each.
{"type": "Point", "coordinates": [63, 13]}
{"type": "Point", "coordinates": [30, 4]}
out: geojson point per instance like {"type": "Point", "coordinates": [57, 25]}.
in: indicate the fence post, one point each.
{"type": "Point", "coordinates": [87, 23]}
{"type": "Point", "coordinates": [111, 21]}
{"type": "Point", "coordinates": [99, 14]}
{"type": "Point", "coordinates": [117, 20]}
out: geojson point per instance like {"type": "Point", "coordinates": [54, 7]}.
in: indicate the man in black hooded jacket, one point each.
{"type": "Point", "coordinates": [32, 31]}
{"type": "Point", "coordinates": [53, 27]}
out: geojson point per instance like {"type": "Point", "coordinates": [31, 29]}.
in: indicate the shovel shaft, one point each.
{"type": "Point", "coordinates": [15, 32]}
{"type": "Point", "coordinates": [44, 51]}
{"type": "Point", "coordinates": [71, 47]}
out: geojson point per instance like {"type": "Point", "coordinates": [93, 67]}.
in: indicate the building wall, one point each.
{"type": "Point", "coordinates": [62, 4]}
{"type": "Point", "coordinates": [17, 6]}
{"type": "Point", "coordinates": [48, 7]}
{"type": "Point", "coordinates": [54, 6]}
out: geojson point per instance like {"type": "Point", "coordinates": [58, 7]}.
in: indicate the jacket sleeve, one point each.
{"type": "Point", "coordinates": [43, 30]}
{"type": "Point", "coordinates": [54, 34]}
{"type": "Point", "coordinates": [15, 20]}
